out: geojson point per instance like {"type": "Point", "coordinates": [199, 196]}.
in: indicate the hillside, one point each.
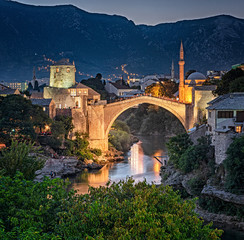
{"type": "Point", "coordinates": [36, 36]}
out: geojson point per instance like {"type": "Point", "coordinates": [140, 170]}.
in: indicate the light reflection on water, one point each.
{"type": "Point", "coordinates": [139, 163]}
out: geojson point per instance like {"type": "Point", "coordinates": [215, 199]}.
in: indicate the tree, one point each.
{"type": "Point", "coordinates": [177, 146]}
{"type": "Point", "coordinates": [234, 166]}
{"type": "Point", "coordinates": [237, 85]}
{"type": "Point", "coordinates": [36, 85]}
{"type": "Point", "coordinates": [159, 89]}
{"type": "Point", "coordinates": [15, 117]}
{"type": "Point", "coordinates": [58, 129]}
{"type": "Point", "coordinates": [67, 122]}
{"type": "Point", "coordinates": [230, 82]}
{"type": "Point", "coordinates": [124, 210]}
{"type": "Point", "coordinates": [18, 117]}
{"type": "Point", "coordinates": [99, 76]}
{"type": "Point", "coordinates": [155, 89]}
{"type": "Point", "coordinates": [18, 157]}
{"type": "Point", "coordinates": [30, 86]}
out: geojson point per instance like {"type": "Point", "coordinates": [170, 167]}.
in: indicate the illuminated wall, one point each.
{"type": "Point", "coordinates": [62, 76]}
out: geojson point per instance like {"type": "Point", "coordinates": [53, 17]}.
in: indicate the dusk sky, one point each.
{"type": "Point", "coordinates": [152, 12]}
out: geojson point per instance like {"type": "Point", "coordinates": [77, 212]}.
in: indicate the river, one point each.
{"type": "Point", "coordinates": [140, 164]}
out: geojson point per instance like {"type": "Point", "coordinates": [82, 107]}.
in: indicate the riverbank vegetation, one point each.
{"type": "Point", "coordinates": [120, 137]}
{"type": "Point", "coordinates": [24, 121]}
{"type": "Point", "coordinates": [123, 210]}
{"type": "Point", "coordinates": [197, 164]}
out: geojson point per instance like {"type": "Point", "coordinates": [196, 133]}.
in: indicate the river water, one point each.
{"type": "Point", "coordinates": [140, 164]}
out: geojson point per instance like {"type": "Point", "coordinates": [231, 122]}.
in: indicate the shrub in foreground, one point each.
{"type": "Point", "coordinates": [124, 210]}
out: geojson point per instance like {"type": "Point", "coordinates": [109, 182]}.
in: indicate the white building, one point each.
{"type": "Point", "coordinates": [225, 121]}
{"type": "Point", "coordinates": [117, 89]}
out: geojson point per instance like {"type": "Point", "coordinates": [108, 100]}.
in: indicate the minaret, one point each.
{"type": "Point", "coordinates": [34, 74]}
{"type": "Point", "coordinates": [172, 71]}
{"type": "Point", "coordinates": [182, 76]}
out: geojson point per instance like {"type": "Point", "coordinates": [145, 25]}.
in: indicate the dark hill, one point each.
{"type": "Point", "coordinates": [101, 43]}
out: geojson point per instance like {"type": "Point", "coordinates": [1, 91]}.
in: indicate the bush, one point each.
{"type": "Point", "coordinates": [216, 205]}
{"type": "Point", "coordinates": [84, 154]}
{"type": "Point", "coordinates": [234, 166]}
{"type": "Point", "coordinates": [196, 185]}
{"type": "Point", "coordinates": [18, 158]}
{"type": "Point", "coordinates": [50, 141]}
{"type": "Point", "coordinates": [124, 210]}
{"type": "Point", "coordinates": [120, 140]}
{"type": "Point", "coordinates": [96, 151]}
{"type": "Point", "coordinates": [177, 146]}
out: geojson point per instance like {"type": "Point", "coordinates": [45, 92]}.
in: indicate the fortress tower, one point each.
{"type": "Point", "coordinates": [62, 74]}
{"type": "Point", "coordinates": [182, 76]}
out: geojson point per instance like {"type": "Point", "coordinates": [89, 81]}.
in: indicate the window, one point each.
{"type": "Point", "coordinates": [68, 70]}
{"type": "Point", "coordinates": [240, 116]}
{"type": "Point", "coordinates": [209, 114]}
{"type": "Point", "coordinates": [225, 114]}
{"type": "Point", "coordinates": [238, 129]}
{"type": "Point", "coordinates": [44, 109]}
{"type": "Point", "coordinates": [57, 70]}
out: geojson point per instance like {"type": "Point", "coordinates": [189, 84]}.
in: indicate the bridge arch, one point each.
{"type": "Point", "coordinates": [113, 110]}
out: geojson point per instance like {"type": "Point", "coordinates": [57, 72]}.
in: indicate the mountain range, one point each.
{"type": "Point", "coordinates": [39, 35]}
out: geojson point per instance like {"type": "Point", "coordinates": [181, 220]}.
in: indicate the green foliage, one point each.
{"type": "Point", "coordinates": [153, 120]}
{"type": "Point", "coordinates": [196, 185]}
{"type": "Point", "coordinates": [234, 166]}
{"type": "Point", "coordinates": [188, 157]}
{"type": "Point", "coordinates": [216, 205]}
{"type": "Point", "coordinates": [120, 125]}
{"type": "Point", "coordinates": [232, 81]}
{"type": "Point", "coordinates": [237, 85]}
{"type": "Point", "coordinates": [96, 151]}
{"type": "Point", "coordinates": [58, 129]}
{"type": "Point", "coordinates": [18, 158]}
{"type": "Point", "coordinates": [51, 141]}
{"type": "Point", "coordinates": [67, 123]}
{"type": "Point", "coordinates": [124, 210]}
{"type": "Point", "coordinates": [84, 154]}
{"type": "Point", "coordinates": [18, 117]}
{"type": "Point", "coordinates": [194, 156]}
{"type": "Point", "coordinates": [189, 160]}
{"type": "Point", "coordinates": [31, 210]}
{"type": "Point", "coordinates": [177, 146]}
{"type": "Point", "coordinates": [79, 148]}
{"type": "Point", "coordinates": [166, 88]}
{"type": "Point", "coordinates": [121, 140]}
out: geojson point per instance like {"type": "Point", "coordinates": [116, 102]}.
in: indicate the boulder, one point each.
{"type": "Point", "coordinates": [221, 194]}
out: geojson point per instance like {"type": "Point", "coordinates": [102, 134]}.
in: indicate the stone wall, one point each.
{"type": "Point", "coordinates": [201, 98]}
{"type": "Point", "coordinates": [79, 120]}
{"type": "Point", "coordinates": [221, 143]}
{"type": "Point", "coordinates": [199, 132]}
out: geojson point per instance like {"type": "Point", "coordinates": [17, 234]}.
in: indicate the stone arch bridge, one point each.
{"type": "Point", "coordinates": [101, 117]}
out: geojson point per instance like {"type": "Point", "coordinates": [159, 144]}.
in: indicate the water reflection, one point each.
{"type": "Point", "coordinates": [139, 163]}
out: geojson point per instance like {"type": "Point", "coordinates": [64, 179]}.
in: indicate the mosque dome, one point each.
{"type": "Point", "coordinates": [196, 76]}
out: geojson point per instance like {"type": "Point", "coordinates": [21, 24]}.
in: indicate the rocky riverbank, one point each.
{"type": "Point", "coordinates": [174, 178]}
{"type": "Point", "coordinates": [65, 166]}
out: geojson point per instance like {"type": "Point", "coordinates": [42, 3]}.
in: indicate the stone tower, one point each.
{"type": "Point", "coordinates": [182, 76]}
{"type": "Point", "coordinates": [62, 74]}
